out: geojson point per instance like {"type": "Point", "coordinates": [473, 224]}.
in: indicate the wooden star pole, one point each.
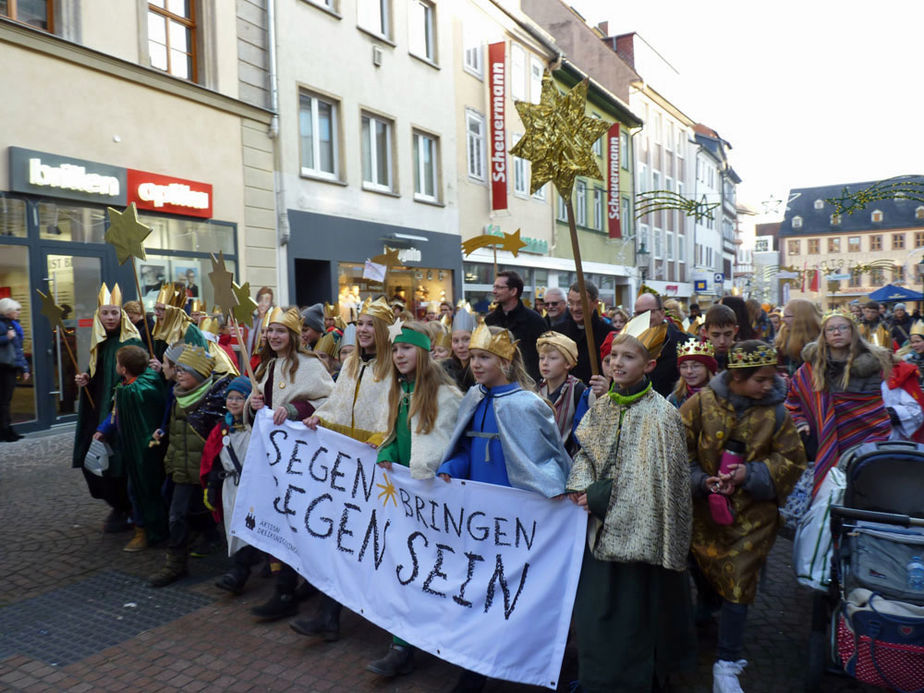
{"type": "Point", "coordinates": [126, 234]}
{"type": "Point", "coordinates": [559, 143]}
{"type": "Point", "coordinates": [234, 299]}
{"type": "Point", "coordinates": [54, 312]}
{"type": "Point", "coordinates": [144, 314]}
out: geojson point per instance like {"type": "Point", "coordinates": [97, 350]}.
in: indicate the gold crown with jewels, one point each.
{"type": "Point", "coordinates": [764, 355]}
{"type": "Point", "coordinates": [501, 344]}
{"type": "Point", "coordinates": [694, 347]}
{"type": "Point", "coordinates": [839, 312]}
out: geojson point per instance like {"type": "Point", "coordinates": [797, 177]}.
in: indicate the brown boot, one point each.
{"type": "Point", "coordinates": [173, 569]}
{"type": "Point", "coordinates": [138, 543]}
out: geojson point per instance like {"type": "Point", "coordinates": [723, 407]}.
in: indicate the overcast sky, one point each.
{"type": "Point", "coordinates": [808, 93]}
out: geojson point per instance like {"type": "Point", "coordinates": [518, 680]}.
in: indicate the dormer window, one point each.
{"type": "Point", "coordinates": [919, 212]}
{"type": "Point", "coordinates": [835, 219]}
{"type": "Point", "coordinates": [876, 216]}
{"type": "Point", "coordinates": [797, 222]}
{"type": "Point", "coordinates": [819, 204]}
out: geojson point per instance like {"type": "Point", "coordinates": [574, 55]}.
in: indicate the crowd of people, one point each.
{"type": "Point", "coordinates": [697, 437]}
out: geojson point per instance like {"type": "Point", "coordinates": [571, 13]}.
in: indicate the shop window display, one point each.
{"type": "Point", "coordinates": [415, 287]}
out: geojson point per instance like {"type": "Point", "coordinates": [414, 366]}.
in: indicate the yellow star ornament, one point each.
{"type": "Point", "coordinates": [222, 282]}
{"type": "Point", "coordinates": [246, 306]}
{"type": "Point", "coordinates": [50, 309]}
{"type": "Point", "coordinates": [126, 234]}
{"type": "Point", "coordinates": [559, 137]}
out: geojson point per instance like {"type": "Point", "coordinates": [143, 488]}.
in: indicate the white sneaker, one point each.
{"type": "Point", "coordinates": [725, 676]}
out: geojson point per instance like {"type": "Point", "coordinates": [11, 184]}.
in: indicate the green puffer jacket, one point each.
{"type": "Point", "coordinates": [190, 427]}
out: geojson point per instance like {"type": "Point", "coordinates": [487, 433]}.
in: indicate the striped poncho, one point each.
{"type": "Point", "coordinates": [840, 420]}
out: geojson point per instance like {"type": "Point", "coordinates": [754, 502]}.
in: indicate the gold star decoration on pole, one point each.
{"type": "Point", "coordinates": [509, 241]}
{"type": "Point", "coordinates": [126, 234]}
{"type": "Point", "coordinates": [222, 283]}
{"type": "Point", "coordinates": [245, 306]}
{"type": "Point", "coordinates": [389, 258]}
{"type": "Point", "coordinates": [559, 137]}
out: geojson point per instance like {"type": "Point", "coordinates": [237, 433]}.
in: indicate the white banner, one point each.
{"type": "Point", "coordinates": [482, 576]}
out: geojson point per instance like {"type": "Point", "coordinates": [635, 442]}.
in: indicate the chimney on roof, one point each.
{"type": "Point", "coordinates": [624, 46]}
{"type": "Point", "coordinates": [604, 27]}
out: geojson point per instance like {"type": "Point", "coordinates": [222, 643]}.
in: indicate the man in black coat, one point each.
{"type": "Point", "coordinates": [572, 325]}
{"type": "Point", "coordinates": [665, 374]}
{"type": "Point", "coordinates": [525, 324]}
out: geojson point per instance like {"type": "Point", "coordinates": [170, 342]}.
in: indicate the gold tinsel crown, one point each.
{"type": "Point", "coordinates": [169, 296]}
{"type": "Point", "coordinates": [694, 347]}
{"type": "Point", "coordinates": [109, 298]}
{"type": "Point", "coordinates": [210, 325]}
{"type": "Point", "coordinates": [839, 312]}
{"type": "Point", "coordinates": [443, 339]}
{"type": "Point", "coordinates": [652, 338]}
{"type": "Point", "coordinates": [196, 358]}
{"type": "Point", "coordinates": [917, 328]}
{"type": "Point", "coordinates": [197, 306]}
{"type": "Point", "coordinates": [764, 355]}
{"type": "Point", "coordinates": [378, 308]}
{"type": "Point", "coordinates": [501, 344]}
{"type": "Point", "coordinates": [330, 310]}
{"type": "Point", "coordinates": [290, 319]}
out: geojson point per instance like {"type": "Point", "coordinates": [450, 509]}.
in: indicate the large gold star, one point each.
{"type": "Point", "coordinates": [246, 306]}
{"type": "Point", "coordinates": [126, 234]}
{"type": "Point", "coordinates": [559, 137]}
{"type": "Point", "coordinates": [389, 258]}
{"type": "Point", "coordinates": [222, 283]}
{"type": "Point", "coordinates": [50, 309]}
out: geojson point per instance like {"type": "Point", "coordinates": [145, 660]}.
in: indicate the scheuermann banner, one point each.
{"type": "Point", "coordinates": [612, 181]}
{"type": "Point", "coordinates": [497, 77]}
{"type": "Point", "coordinates": [482, 576]}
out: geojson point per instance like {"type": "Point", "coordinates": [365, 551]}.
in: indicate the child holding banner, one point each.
{"type": "Point", "coordinates": [292, 383]}
{"type": "Point", "coordinates": [632, 614]}
{"type": "Point", "coordinates": [423, 404]}
{"type": "Point", "coordinates": [505, 433]}
{"type": "Point", "coordinates": [358, 408]}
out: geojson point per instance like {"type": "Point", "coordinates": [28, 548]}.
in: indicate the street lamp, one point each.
{"type": "Point", "coordinates": [641, 258]}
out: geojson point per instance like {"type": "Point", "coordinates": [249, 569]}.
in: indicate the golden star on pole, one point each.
{"type": "Point", "coordinates": [222, 282]}
{"type": "Point", "coordinates": [50, 309]}
{"type": "Point", "coordinates": [126, 234]}
{"type": "Point", "coordinates": [559, 137]}
{"type": "Point", "coordinates": [510, 242]}
{"type": "Point", "coordinates": [246, 306]}
{"type": "Point", "coordinates": [389, 258]}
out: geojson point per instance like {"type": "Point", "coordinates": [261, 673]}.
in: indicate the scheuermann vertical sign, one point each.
{"type": "Point", "coordinates": [498, 90]}
{"type": "Point", "coordinates": [612, 181]}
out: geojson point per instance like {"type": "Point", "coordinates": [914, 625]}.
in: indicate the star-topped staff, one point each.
{"type": "Point", "coordinates": [54, 313]}
{"type": "Point", "coordinates": [509, 241]}
{"type": "Point", "coordinates": [233, 299]}
{"type": "Point", "coordinates": [126, 234]}
{"type": "Point", "coordinates": [559, 143]}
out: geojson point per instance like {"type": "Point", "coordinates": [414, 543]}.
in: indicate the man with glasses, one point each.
{"type": "Point", "coordinates": [525, 324]}
{"type": "Point", "coordinates": [572, 325]}
{"type": "Point", "coordinates": [665, 374]}
{"type": "Point", "coordinates": [554, 305]}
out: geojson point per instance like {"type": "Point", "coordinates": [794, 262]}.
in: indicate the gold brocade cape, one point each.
{"type": "Point", "coordinates": [127, 331]}
{"type": "Point", "coordinates": [312, 383]}
{"type": "Point", "coordinates": [880, 336]}
{"type": "Point", "coordinates": [731, 556]}
{"type": "Point", "coordinates": [358, 408]}
{"type": "Point", "coordinates": [640, 447]}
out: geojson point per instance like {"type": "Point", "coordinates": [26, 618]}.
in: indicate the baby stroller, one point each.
{"type": "Point", "coordinates": [876, 608]}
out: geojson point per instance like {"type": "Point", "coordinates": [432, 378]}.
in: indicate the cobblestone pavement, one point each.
{"type": "Point", "coordinates": [75, 614]}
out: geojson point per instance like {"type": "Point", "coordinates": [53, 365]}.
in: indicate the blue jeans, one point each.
{"type": "Point", "coordinates": [732, 620]}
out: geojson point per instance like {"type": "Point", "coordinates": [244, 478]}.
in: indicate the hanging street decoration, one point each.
{"type": "Point", "coordinates": [510, 242]}
{"type": "Point", "coordinates": [898, 188]}
{"type": "Point", "coordinates": [661, 200]}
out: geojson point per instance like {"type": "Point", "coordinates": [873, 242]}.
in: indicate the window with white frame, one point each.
{"type": "Point", "coordinates": [669, 245]}
{"type": "Point", "coordinates": [374, 16]}
{"type": "Point", "coordinates": [518, 72]}
{"type": "Point", "coordinates": [520, 170]}
{"type": "Point", "coordinates": [376, 146]}
{"type": "Point", "coordinates": [474, 144]}
{"type": "Point", "coordinates": [643, 178]}
{"type": "Point", "coordinates": [669, 136]}
{"type": "Point", "coordinates": [625, 219]}
{"type": "Point", "coordinates": [473, 59]}
{"type": "Point", "coordinates": [655, 180]}
{"type": "Point", "coordinates": [317, 124]}
{"type": "Point", "coordinates": [658, 250]}
{"type": "Point", "coordinates": [624, 150]}
{"type": "Point", "coordinates": [426, 167]}
{"type": "Point", "coordinates": [540, 193]}
{"type": "Point", "coordinates": [536, 69]}
{"type": "Point", "coordinates": [580, 203]}
{"type": "Point", "coordinates": [598, 144]}
{"type": "Point", "coordinates": [643, 240]}
{"type": "Point", "coordinates": [562, 214]}
{"type": "Point", "coordinates": [681, 248]}
{"type": "Point", "coordinates": [599, 206]}
{"type": "Point", "coordinates": [421, 33]}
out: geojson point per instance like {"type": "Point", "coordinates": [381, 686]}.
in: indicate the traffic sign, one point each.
{"type": "Point", "coordinates": [719, 278]}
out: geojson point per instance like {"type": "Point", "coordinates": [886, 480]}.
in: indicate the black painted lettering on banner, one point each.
{"type": "Point", "coordinates": [372, 530]}
{"type": "Point", "coordinates": [470, 571]}
{"type": "Point", "coordinates": [499, 576]}
{"type": "Point", "coordinates": [521, 530]}
{"type": "Point", "coordinates": [342, 529]}
{"type": "Point", "coordinates": [483, 530]}
{"type": "Point", "coordinates": [406, 502]}
{"type": "Point", "coordinates": [498, 533]}
{"type": "Point", "coordinates": [436, 572]}
{"type": "Point", "coordinates": [326, 520]}
{"type": "Point", "coordinates": [335, 472]}
{"type": "Point", "coordinates": [295, 458]}
{"type": "Point", "coordinates": [361, 474]}
{"type": "Point", "coordinates": [286, 510]}
{"type": "Point", "coordinates": [272, 439]}
{"type": "Point", "coordinates": [416, 567]}
{"type": "Point", "coordinates": [314, 458]}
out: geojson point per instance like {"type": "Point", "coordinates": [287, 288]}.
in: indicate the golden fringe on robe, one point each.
{"type": "Point", "coordinates": [358, 408]}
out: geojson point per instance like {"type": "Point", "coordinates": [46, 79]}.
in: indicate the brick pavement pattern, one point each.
{"type": "Point", "coordinates": [55, 561]}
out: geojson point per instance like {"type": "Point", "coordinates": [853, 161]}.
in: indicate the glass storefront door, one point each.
{"type": "Point", "coordinates": [74, 282]}
{"type": "Point", "coordinates": [14, 283]}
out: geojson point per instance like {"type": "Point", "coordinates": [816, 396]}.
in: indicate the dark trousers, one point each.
{"type": "Point", "coordinates": [186, 510]}
{"type": "Point", "coordinates": [732, 620]}
{"type": "Point", "coordinates": [112, 489]}
{"type": "Point", "coordinates": [7, 387]}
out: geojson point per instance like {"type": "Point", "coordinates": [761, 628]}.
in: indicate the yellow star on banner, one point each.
{"type": "Point", "coordinates": [388, 492]}
{"type": "Point", "coordinates": [245, 304]}
{"type": "Point", "coordinates": [50, 309]}
{"type": "Point", "coordinates": [222, 282]}
{"type": "Point", "coordinates": [559, 137]}
{"type": "Point", "coordinates": [126, 234]}
{"type": "Point", "coordinates": [389, 258]}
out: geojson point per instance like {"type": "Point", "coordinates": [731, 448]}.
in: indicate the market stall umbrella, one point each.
{"type": "Point", "coordinates": [891, 293]}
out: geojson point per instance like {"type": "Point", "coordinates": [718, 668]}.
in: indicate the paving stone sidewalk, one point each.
{"type": "Point", "coordinates": [75, 614]}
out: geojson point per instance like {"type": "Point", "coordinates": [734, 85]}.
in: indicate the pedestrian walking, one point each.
{"type": "Point", "coordinates": [12, 363]}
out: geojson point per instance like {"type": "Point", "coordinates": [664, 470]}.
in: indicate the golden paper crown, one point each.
{"type": "Point", "coordinates": [210, 325]}
{"type": "Point", "coordinates": [694, 347]}
{"type": "Point", "coordinates": [107, 298]}
{"type": "Point", "coordinates": [327, 345]}
{"type": "Point", "coordinates": [196, 358]}
{"type": "Point", "coordinates": [446, 321]}
{"type": "Point", "coordinates": [443, 339]}
{"type": "Point", "coordinates": [378, 308]}
{"type": "Point", "coordinates": [330, 310]}
{"type": "Point", "coordinates": [765, 355]}
{"type": "Point", "coordinates": [169, 296]}
{"type": "Point", "coordinates": [501, 344]}
{"type": "Point", "coordinates": [839, 312]}
{"type": "Point", "coordinates": [289, 318]}
{"type": "Point", "coordinates": [652, 338]}
{"type": "Point", "coordinates": [197, 306]}
{"type": "Point", "coordinates": [917, 328]}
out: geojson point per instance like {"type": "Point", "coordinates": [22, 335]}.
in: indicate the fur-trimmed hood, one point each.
{"type": "Point", "coordinates": [864, 365]}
